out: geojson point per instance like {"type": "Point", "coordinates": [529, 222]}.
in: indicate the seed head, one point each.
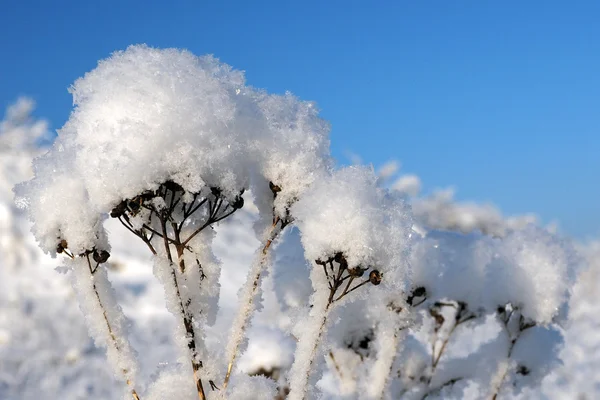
{"type": "Point", "coordinates": [340, 259]}
{"type": "Point", "coordinates": [134, 206]}
{"type": "Point", "coordinates": [61, 246]}
{"type": "Point", "coordinates": [238, 203]}
{"type": "Point", "coordinates": [119, 210]}
{"type": "Point", "coordinates": [375, 277]}
{"type": "Point", "coordinates": [274, 188]}
{"type": "Point", "coordinates": [100, 256]}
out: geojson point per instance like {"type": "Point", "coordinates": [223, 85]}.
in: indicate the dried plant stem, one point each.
{"type": "Point", "coordinates": [399, 334]}
{"type": "Point", "coordinates": [522, 326]}
{"type": "Point", "coordinates": [393, 349]}
{"type": "Point", "coordinates": [335, 364]}
{"type": "Point", "coordinates": [462, 315]}
{"type": "Point", "coordinates": [299, 389]}
{"type": "Point", "coordinates": [189, 329]}
{"type": "Point", "coordinates": [247, 300]}
{"type": "Point", "coordinates": [109, 327]}
{"type": "Point", "coordinates": [187, 319]}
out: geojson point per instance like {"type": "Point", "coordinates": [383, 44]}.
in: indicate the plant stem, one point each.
{"type": "Point", "coordinates": [187, 319]}
{"type": "Point", "coordinates": [309, 344]}
{"type": "Point", "coordinates": [109, 327]}
{"type": "Point", "coordinates": [522, 327]}
{"type": "Point", "coordinates": [390, 348]}
{"type": "Point", "coordinates": [247, 300]}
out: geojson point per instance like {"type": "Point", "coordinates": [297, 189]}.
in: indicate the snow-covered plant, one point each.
{"type": "Point", "coordinates": [45, 350]}
{"type": "Point", "coordinates": [167, 143]}
{"type": "Point", "coordinates": [347, 295]}
{"type": "Point", "coordinates": [486, 317]}
{"type": "Point", "coordinates": [357, 234]}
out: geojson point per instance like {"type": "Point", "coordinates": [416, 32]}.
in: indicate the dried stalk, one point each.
{"type": "Point", "coordinates": [460, 318]}
{"type": "Point", "coordinates": [107, 322]}
{"type": "Point", "coordinates": [394, 350]}
{"type": "Point", "coordinates": [417, 297]}
{"type": "Point", "coordinates": [506, 313]}
{"type": "Point", "coordinates": [246, 308]}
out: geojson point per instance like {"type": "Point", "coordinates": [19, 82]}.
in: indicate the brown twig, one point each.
{"type": "Point", "coordinates": [505, 314]}
{"type": "Point", "coordinates": [460, 318]}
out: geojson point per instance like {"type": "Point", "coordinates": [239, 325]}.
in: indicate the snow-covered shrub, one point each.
{"type": "Point", "coordinates": [346, 295]}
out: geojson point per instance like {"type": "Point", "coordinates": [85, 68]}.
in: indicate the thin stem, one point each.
{"type": "Point", "coordinates": [109, 327]}
{"type": "Point", "coordinates": [197, 231]}
{"type": "Point", "coordinates": [458, 322]}
{"type": "Point", "coordinates": [459, 319]}
{"type": "Point", "coordinates": [163, 225]}
{"type": "Point", "coordinates": [335, 364]}
{"type": "Point", "coordinates": [327, 275]}
{"type": "Point", "coordinates": [187, 320]}
{"type": "Point", "coordinates": [223, 216]}
{"type": "Point", "coordinates": [353, 289]}
{"type": "Point", "coordinates": [246, 310]}
{"type": "Point", "coordinates": [394, 351]}
{"type": "Point", "coordinates": [315, 346]}
{"type": "Point", "coordinates": [522, 327]}
{"type": "Point", "coordinates": [189, 328]}
{"type": "Point", "coordinates": [190, 210]}
{"type": "Point", "coordinates": [439, 389]}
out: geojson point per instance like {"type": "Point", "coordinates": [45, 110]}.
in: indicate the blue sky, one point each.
{"type": "Point", "coordinates": [499, 99]}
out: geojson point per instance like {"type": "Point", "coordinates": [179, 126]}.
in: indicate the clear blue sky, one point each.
{"type": "Point", "coordinates": [498, 98]}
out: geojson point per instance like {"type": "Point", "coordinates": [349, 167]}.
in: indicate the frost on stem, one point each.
{"type": "Point", "coordinates": [251, 288]}
{"type": "Point", "coordinates": [358, 234]}
{"type": "Point", "coordinates": [103, 315]}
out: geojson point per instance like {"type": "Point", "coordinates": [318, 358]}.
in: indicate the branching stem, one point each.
{"type": "Point", "coordinates": [172, 194]}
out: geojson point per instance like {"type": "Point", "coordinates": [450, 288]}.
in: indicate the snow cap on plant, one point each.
{"type": "Point", "coordinates": [530, 268]}
{"type": "Point", "coordinates": [142, 117]}
{"type": "Point", "coordinates": [145, 116]}
{"type": "Point", "coordinates": [294, 152]}
{"type": "Point", "coordinates": [346, 212]}
{"type": "Point", "coordinates": [59, 206]}
{"type": "Point", "coordinates": [533, 270]}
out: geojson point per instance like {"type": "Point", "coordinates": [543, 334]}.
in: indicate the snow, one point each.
{"type": "Point", "coordinates": [297, 151]}
{"type": "Point", "coordinates": [346, 212]}
{"type": "Point", "coordinates": [529, 268]}
{"type": "Point", "coordinates": [579, 376]}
